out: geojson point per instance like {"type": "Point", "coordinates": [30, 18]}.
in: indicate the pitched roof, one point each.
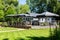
{"type": "Point", "coordinates": [36, 14]}
{"type": "Point", "coordinates": [29, 14]}
{"type": "Point", "coordinates": [49, 14]}
{"type": "Point", "coordinates": [11, 15]}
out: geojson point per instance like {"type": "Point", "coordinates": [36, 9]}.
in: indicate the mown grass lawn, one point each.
{"type": "Point", "coordinates": [29, 34]}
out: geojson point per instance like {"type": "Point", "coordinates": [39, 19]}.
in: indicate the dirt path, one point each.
{"type": "Point", "coordinates": [12, 30]}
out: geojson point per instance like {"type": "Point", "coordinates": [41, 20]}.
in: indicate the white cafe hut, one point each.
{"type": "Point", "coordinates": [37, 19]}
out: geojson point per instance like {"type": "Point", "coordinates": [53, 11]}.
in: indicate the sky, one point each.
{"type": "Point", "coordinates": [22, 2]}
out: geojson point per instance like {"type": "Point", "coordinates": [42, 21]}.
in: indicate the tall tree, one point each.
{"type": "Point", "coordinates": [37, 5]}
{"type": "Point", "coordinates": [7, 7]}
{"type": "Point", "coordinates": [10, 6]}
{"type": "Point", "coordinates": [58, 8]}
{"type": "Point", "coordinates": [43, 5]}
{"type": "Point", "coordinates": [52, 6]}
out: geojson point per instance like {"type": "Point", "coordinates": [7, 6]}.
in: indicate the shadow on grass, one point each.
{"type": "Point", "coordinates": [39, 38]}
{"type": "Point", "coordinates": [34, 38]}
{"type": "Point", "coordinates": [6, 39]}
{"type": "Point", "coordinates": [20, 39]}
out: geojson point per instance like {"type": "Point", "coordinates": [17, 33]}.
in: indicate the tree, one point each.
{"type": "Point", "coordinates": [40, 6]}
{"type": "Point", "coordinates": [37, 5]}
{"type": "Point", "coordinates": [52, 6]}
{"type": "Point", "coordinates": [1, 14]}
{"type": "Point", "coordinates": [1, 10]}
{"type": "Point", "coordinates": [7, 7]}
{"type": "Point", "coordinates": [58, 8]}
{"type": "Point", "coordinates": [11, 10]}
{"type": "Point", "coordinates": [1, 7]}
{"type": "Point", "coordinates": [15, 2]}
{"type": "Point", "coordinates": [23, 8]}
{"type": "Point", "coordinates": [10, 6]}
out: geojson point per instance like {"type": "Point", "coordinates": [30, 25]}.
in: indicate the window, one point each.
{"type": "Point", "coordinates": [42, 19]}
{"type": "Point", "coordinates": [27, 19]}
{"type": "Point", "coordinates": [48, 18]}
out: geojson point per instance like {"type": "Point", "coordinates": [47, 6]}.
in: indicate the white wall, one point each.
{"type": "Point", "coordinates": [42, 20]}
{"type": "Point", "coordinates": [46, 19]}
{"type": "Point", "coordinates": [35, 18]}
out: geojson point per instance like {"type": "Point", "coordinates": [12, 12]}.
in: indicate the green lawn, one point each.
{"type": "Point", "coordinates": [31, 34]}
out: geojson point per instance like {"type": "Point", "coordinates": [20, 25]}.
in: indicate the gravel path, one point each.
{"type": "Point", "coordinates": [33, 27]}
{"type": "Point", "coordinates": [43, 27]}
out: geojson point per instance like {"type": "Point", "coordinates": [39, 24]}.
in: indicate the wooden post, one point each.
{"type": "Point", "coordinates": [50, 31]}
{"type": "Point", "coordinates": [56, 31]}
{"type": "Point", "coordinates": [59, 23]}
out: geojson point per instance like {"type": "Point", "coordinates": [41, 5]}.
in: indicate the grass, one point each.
{"type": "Point", "coordinates": [31, 34]}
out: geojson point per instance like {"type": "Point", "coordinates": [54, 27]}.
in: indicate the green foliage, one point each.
{"type": "Point", "coordinates": [23, 8]}
{"type": "Point", "coordinates": [58, 8]}
{"type": "Point", "coordinates": [44, 5]}
{"type": "Point", "coordinates": [15, 2]}
{"type": "Point", "coordinates": [37, 6]}
{"type": "Point", "coordinates": [52, 6]}
{"type": "Point", "coordinates": [7, 7]}
{"type": "Point", "coordinates": [11, 10]}
{"type": "Point", "coordinates": [1, 13]}
{"type": "Point", "coordinates": [58, 11]}
{"type": "Point", "coordinates": [1, 7]}
{"type": "Point", "coordinates": [10, 6]}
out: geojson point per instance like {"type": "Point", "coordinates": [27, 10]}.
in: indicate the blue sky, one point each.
{"type": "Point", "coordinates": [22, 1]}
